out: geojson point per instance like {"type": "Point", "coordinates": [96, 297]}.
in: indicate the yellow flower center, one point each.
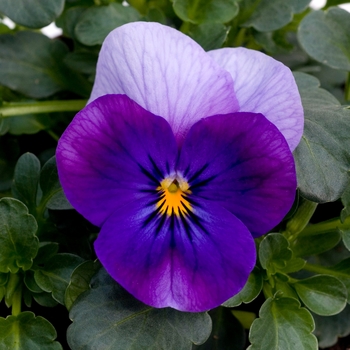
{"type": "Point", "coordinates": [173, 193]}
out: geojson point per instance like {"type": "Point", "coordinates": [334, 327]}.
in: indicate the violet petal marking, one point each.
{"type": "Point", "coordinates": [165, 72]}
{"type": "Point", "coordinates": [243, 163]}
{"type": "Point", "coordinates": [264, 85]}
{"type": "Point", "coordinates": [112, 153]}
{"type": "Point", "coordinates": [193, 261]}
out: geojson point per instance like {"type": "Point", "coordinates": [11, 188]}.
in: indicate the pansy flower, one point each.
{"type": "Point", "coordinates": [182, 157]}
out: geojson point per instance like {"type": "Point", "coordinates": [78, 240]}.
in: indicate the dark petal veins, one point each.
{"type": "Point", "coordinates": [112, 153]}
{"type": "Point", "coordinates": [243, 163]}
{"type": "Point", "coordinates": [188, 262]}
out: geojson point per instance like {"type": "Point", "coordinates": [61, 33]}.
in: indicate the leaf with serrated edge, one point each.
{"type": "Point", "coordinates": [19, 244]}
{"type": "Point", "coordinates": [274, 252]}
{"type": "Point", "coordinates": [108, 318]}
{"type": "Point", "coordinates": [26, 331]}
{"type": "Point", "coordinates": [322, 157]}
{"type": "Point", "coordinates": [55, 275]}
{"type": "Point", "coordinates": [282, 325]}
{"type": "Point", "coordinates": [329, 328]}
{"type": "Point", "coordinates": [80, 281]}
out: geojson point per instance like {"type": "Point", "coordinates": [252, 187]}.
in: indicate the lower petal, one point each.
{"type": "Point", "coordinates": [190, 263]}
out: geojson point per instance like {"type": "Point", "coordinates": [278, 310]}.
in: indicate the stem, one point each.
{"type": "Point", "coordinates": [240, 38]}
{"type": "Point", "coordinates": [17, 301]}
{"type": "Point", "coordinates": [185, 27]}
{"type": "Point", "coordinates": [324, 270]}
{"type": "Point", "coordinates": [299, 221]}
{"type": "Point", "coordinates": [325, 227]}
{"type": "Point", "coordinates": [11, 109]}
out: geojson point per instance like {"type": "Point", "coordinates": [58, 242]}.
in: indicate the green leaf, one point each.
{"type": "Point", "coordinates": [45, 299]}
{"type": "Point", "coordinates": [27, 332]}
{"type": "Point", "coordinates": [84, 62]}
{"type": "Point", "coordinates": [325, 36]}
{"type": "Point", "coordinates": [283, 287]}
{"type": "Point", "coordinates": [271, 15]}
{"type": "Point", "coordinates": [274, 252]}
{"type": "Point", "coordinates": [30, 283]}
{"type": "Point", "coordinates": [32, 13]}
{"type": "Point", "coordinates": [342, 272]}
{"type": "Point", "coordinates": [206, 11]}
{"type": "Point", "coordinates": [52, 193]}
{"type": "Point", "coordinates": [46, 251]}
{"type": "Point", "coordinates": [322, 157]}
{"type": "Point", "coordinates": [29, 63]}
{"type": "Point", "coordinates": [18, 242]}
{"type": "Point", "coordinates": [4, 125]}
{"type": "Point", "coordinates": [282, 324]}
{"type": "Point", "coordinates": [345, 234]}
{"type": "Point", "coordinates": [32, 64]}
{"type": "Point", "coordinates": [25, 182]}
{"type": "Point", "coordinates": [29, 123]}
{"type": "Point", "coordinates": [324, 295]}
{"type": "Point", "coordinates": [80, 281]}
{"type": "Point", "coordinates": [103, 316]}
{"type": "Point", "coordinates": [227, 334]}
{"type": "Point", "coordinates": [55, 276]}
{"type": "Point", "coordinates": [96, 22]}
{"type": "Point", "coordinates": [329, 328]}
{"type": "Point", "coordinates": [315, 244]}
{"type": "Point", "coordinates": [345, 199]}
{"type": "Point", "coordinates": [3, 278]}
{"type": "Point", "coordinates": [69, 19]}
{"type": "Point", "coordinates": [294, 265]}
{"type": "Point", "coordinates": [209, 35]}
{"type": "Point", "coordinates": [250, 291]}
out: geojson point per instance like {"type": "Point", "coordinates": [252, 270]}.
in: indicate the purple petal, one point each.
{"type": "Point", "coordinates": [264, 85]}
{"type": "Point", "coordinates": [165, 72]}
{"type": "Point", "coordinates": [190, 263]}
{"type": "Point", "coordinates": [112, 153]}
{"type": "Point", "coordinates": [242, 162]}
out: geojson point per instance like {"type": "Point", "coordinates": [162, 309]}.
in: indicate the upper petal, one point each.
{"type": "Point", "coordinates": [113, 152]}
{"type": "Point", "coordinates": [165, 72]}
{"type": "Point", "coordinates": [264, 85]}
{"type": "Point", "coordinates": [190, 263]}
{"type": "Point", "coordinates": [242, 162]}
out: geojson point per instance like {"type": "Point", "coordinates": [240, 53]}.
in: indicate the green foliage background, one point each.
{"type": "Point", "coordinates": [297, 296]}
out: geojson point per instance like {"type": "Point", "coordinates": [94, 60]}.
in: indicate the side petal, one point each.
{"type": "Point", "coordinates": [113, 152]}
{"type": "Point", "coordinates": [242, 162]}
{"type": "Point", "coordinates": [264, 85]}
{"type": "Point", "coordinates": [165, 72]}
{"type": "Point", "coordinates": [190, 263]}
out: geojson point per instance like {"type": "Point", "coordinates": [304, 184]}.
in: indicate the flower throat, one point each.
{"type": "Point", "coordinates": [173, 193]}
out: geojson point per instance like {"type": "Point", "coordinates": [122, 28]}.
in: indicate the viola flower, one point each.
{"type": "Point", "coordinates": [181, 157]}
